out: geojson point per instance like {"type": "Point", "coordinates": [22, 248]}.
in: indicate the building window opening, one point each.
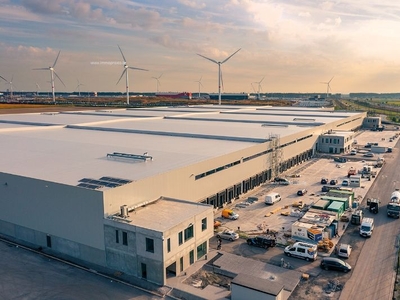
{"type": "Point", "coordinates": [204, 224]}
{"type": "Point", "coordinates": [180, 238]}
{"type": "Point", "coordinates": [189, 232]}
{"type": "Point", "coordinates": [125, 238]}
{"type": "Point", "coordinates": [48, 239]}
{"type": "Point", "coordinates": [149, 245]}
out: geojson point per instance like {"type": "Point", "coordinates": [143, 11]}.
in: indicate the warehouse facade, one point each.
{"type": "Point", "coordinates": [134, 190]}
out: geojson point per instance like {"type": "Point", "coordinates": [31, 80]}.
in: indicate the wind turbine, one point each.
{"type": "Point", "coordinates": [328, 87]}
{"type": "Point", "coordinates": [52, 73]}
{"type": "Point", "coordinates": [78, 87]}
{"type": "Point", "coordinates": [37, 89]}
{"type": "Point", "coordinates": [125, 71]}
{"type": "Point", "coordinates": [200, 84]}
{"type": "Point", "coordinates": [157, 81]}
{"type": "Point", "coordinates": [219, 63]}
{"type": "Point", "coordinates": [259, 88]}
{"type": "Point", "coordinates": [10, 83]}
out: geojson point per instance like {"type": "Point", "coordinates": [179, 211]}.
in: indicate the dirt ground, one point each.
{"type": "Point", "coordinates": [322, 288]}
{"type": "Point", "coordinates": [203, 278]}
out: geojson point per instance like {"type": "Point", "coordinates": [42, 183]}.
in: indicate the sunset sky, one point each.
{"type": "Point", "coordinates": [295, 44]}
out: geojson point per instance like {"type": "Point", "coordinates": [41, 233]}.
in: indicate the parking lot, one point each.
{"type": "Point", "coordinates": [256, 218]}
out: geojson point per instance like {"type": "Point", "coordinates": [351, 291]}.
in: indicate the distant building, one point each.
{"type": "Point", "coordinates": [225, 96]}
{"type": "Point", "coordinates": [336, 142]}
{"type": "Point", "coordinates": [175, 95]}
{"type": "Point", "coordinates": [372, 123]}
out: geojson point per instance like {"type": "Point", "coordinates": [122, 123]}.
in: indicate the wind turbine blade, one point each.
{"type": "Point", "coordinates": [56, 58]}
{"type": "Point", "coordinates": [123, 72]}
{"type": "Point", "coordinates": [41, 69]}
{"type": "Point", "coordinates": [201, 78]}
{"type": "Point", "coordinates": [12, 77]}
{"type": "Point", "coordinates": [214, 61]}
{"type": "Point", "coordinates": [230, 56]}
{"type": "Point", "coordinates": [253, 88]}
{"type": "Point", "coordinates": [59, 78]}
{"type": "Point", "coordinates": [122, 53]}
{"type": "Point", "coordinates": [133, 68]}
{"type": "Point", "coordinates": [262, 79]}
{"type": "Point", "coordinates": [330, 80]}
{"type": "Point", "coordinates": [160, 76]}
{"type": "Point", "coordinates": [4, 79]}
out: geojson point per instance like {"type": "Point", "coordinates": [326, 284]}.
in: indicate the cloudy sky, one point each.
{"type": "Point", "coordinates": [295, 44]}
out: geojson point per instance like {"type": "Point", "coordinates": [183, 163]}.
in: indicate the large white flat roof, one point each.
{"type": "Point", "coordinates": [68, 146]}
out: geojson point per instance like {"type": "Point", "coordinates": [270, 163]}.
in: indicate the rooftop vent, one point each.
{"type": "Point", "coordinates": [143, 156]}
{"type": "Point", "coordinates": [124, 211]}
{"type": "Point", "coordinates": [304, 119]}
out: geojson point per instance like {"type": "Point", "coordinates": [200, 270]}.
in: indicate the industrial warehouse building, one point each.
{"type": "Point", "coordinates": [135, 190]}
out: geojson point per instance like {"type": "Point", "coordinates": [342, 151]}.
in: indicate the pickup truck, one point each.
{"type": "Point", "coordinates": [351, 171]}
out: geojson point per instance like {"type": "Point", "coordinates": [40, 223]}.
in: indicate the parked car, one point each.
{"type": "Point", "coordinates": [345, 182]}
{"type": "Point", "coordinates": [369, 154]}
{"type": "Point", "coordinates": [262, 241]}
{"type": "Point", "coordinates": [333, 182]}
{"type": "Point", "coordinates": [344, 250]}
{"type": "Point", "coordinates": [302, 250]}
{"type": "Point", "coordinates": [324, 181]}
{"type": "Point", "coordinates": [301, 192]}
{"type": "Point", "coordinates": [333, 263]}
{"type": "Point", "coordinates": [281, 180]}
{"type": "Point", "coordinates": [228, 235]}
{"type": "Point", "coordinates": [353, 152]}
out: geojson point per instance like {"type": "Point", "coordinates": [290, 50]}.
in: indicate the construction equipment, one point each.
{"type": "Point", "coordinates": [325, 245]}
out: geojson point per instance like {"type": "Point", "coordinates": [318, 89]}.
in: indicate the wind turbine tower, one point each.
{"type": "Point", "coordinates": [157, 82]}
{"type": "Point", "coordinates": [259, 88]}
{"type": "Point", "coordinates": [78, 87]}
{"type": "Point", "coordinates": [37, 89]}
{"type": "Point", "coordinates": [219, 63]}
{"type": "Point", "coordinates": [10, 83]}
{"type": "Point", "coordinates": [52, 73]}
{"type": "Point", "coordinates": [328, 87]}
{"type": "Point", "coordinates": [125, 71]}
{"type": "Point", "coordinates": [200, 85]}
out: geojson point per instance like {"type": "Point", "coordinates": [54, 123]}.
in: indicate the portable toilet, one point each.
{"type": "Point", "coordinates": [356, 217]}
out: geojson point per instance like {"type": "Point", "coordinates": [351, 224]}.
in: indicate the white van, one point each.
{"type": "Point", "coordinates": [343, 250]}
{"type": "Point", "coordinates": [355, 181]}
{"type": "Point", "coordinates": [367, 226]}
{"type": "Point", "coordinates": [302, 250]}
{"type": "Point", "coordinates": [271, 198]}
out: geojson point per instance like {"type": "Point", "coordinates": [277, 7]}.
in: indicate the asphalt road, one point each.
{"type": "Point", "coordinates": [374, 275]}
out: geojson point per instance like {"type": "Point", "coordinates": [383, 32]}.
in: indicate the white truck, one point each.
{"type": "Point", "coordinates": [393, 207]}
